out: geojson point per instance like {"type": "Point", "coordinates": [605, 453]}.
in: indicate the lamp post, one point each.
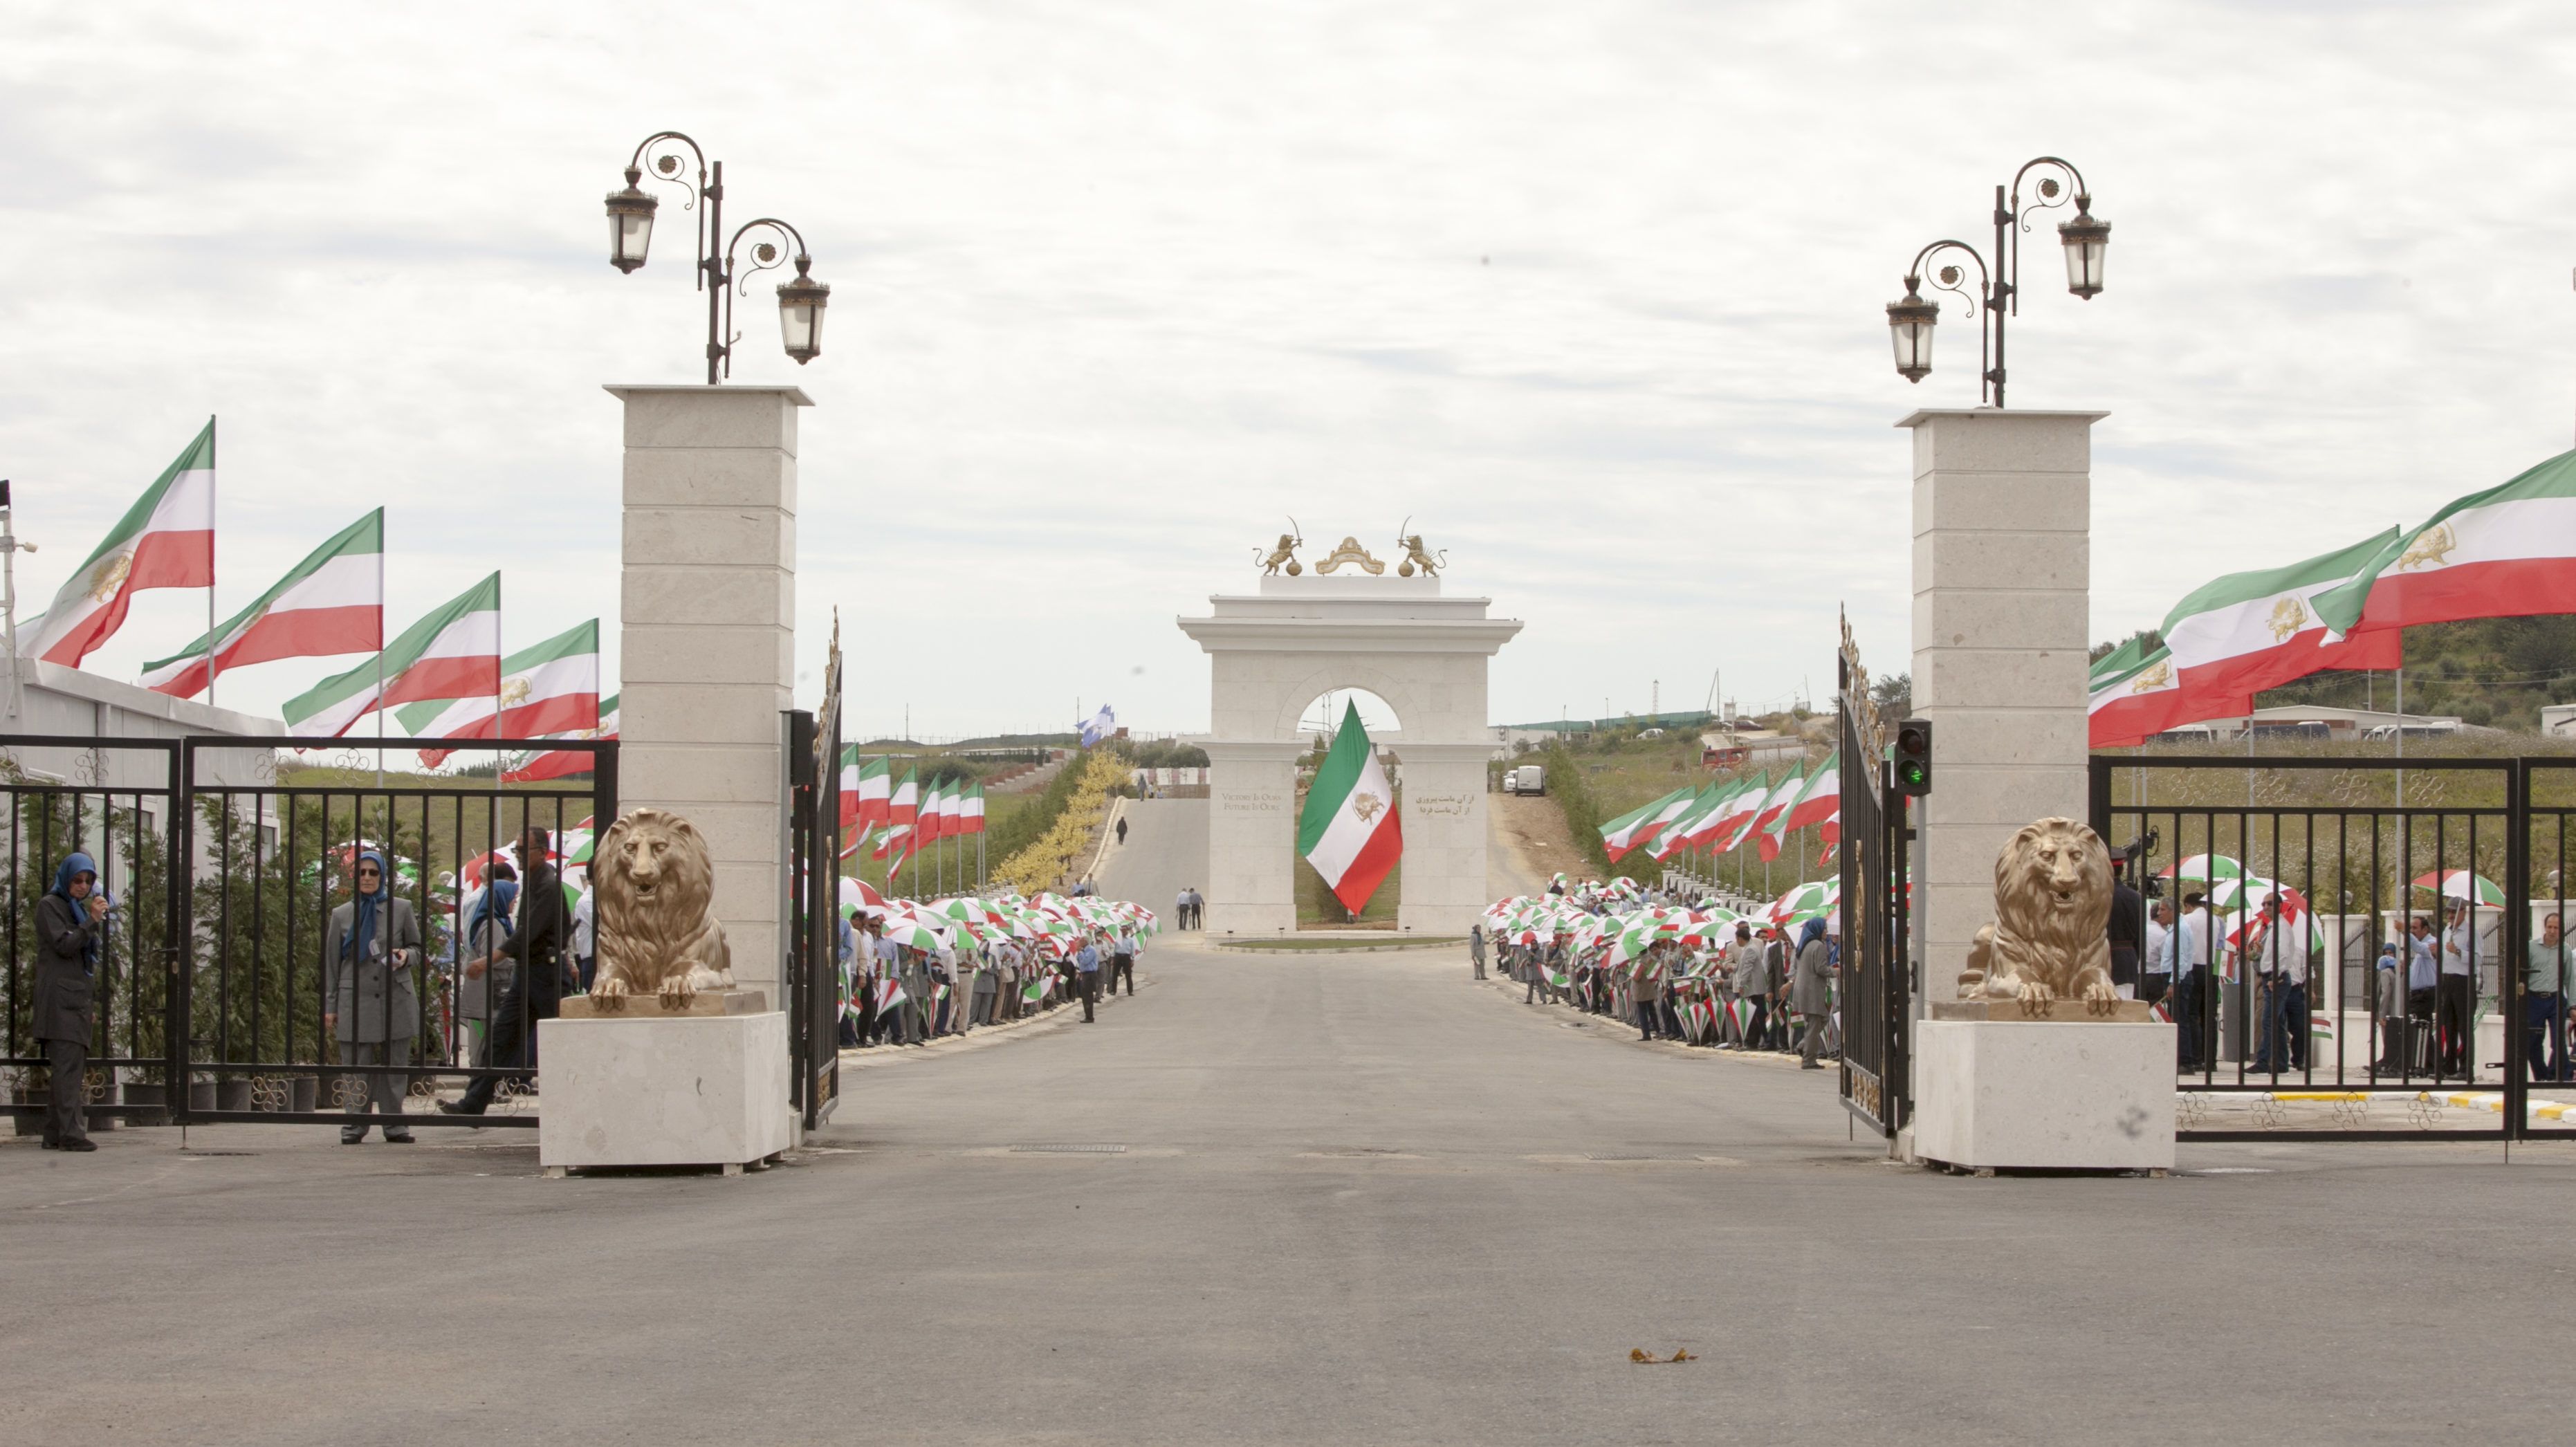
{"type": "Point", "coordinates": [630, 235]}
{"type": "Point", "coordinates": [2086, 237]}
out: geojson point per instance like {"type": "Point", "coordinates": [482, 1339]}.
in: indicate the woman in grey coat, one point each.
{"type": "Point", "coordinates": [1811, 991]}
{"type": "Point", "coordinates": [367, 956]}
{"type": "Point", "coordinates": [69, 929]}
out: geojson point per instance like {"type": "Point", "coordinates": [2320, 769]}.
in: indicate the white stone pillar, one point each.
{"type": "Point", "coordinates": [1251, 884]}
{"type": "Point", "coordinates": [2002, 521]}
{"type": "Point", "coordinates": [709, 637]}
{"type": "Point", "coordinates": [1444, 836]}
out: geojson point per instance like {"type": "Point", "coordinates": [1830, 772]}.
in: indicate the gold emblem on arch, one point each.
{"type": "Point", "coordinates": [1350, 552]}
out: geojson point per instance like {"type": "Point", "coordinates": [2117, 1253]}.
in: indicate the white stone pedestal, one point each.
{"type": "Point", "coordinates": [2040, 1094]}
{"type": "Point", "coordinates": [705, 1090]}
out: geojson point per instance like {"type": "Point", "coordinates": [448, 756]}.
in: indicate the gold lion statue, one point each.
{"type": "Point", "coordinates": [2052, 903]}
{"type": "Point", "coordinates": [1416, 557]}
{"type": "Point", "coordinates": [655, 933]}
{"type": "Point", "coordinates": [1283, 555]}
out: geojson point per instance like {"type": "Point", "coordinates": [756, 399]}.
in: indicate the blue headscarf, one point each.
{"type": "Point", "coordinates": [1813, 929]}
{"type": "Point", "coordinates": [495, 903]}
{"type": "Point", "coordinates": [76, 863]}
{"type": "Point", "coordinates": [362, 924]}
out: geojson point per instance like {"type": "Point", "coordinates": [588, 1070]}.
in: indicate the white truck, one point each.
{"type": "Point", "coordinates": [1527, 779]}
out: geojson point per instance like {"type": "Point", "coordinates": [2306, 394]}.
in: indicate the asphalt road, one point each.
{"type": "Point", "coordinates": [1360, 1200]}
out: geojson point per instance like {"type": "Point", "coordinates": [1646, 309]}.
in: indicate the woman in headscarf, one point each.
{"type": "Point", "coordinates": [1811, 990]}
{"type": "Point", "coordinates": [70, 925]}
{"type": "Point", "coordinates": [367, 955]}
{"type": "Point", "coordinates": [487, 924]}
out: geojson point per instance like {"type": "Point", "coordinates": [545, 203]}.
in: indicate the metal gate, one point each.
{"type": "Point", "coordinates": [217, 996]}
{"type": "Point", "coordinates": [2358, 939]}
{"type": "Point", "coordinates": [812, 971]}
{"type": "Point", "coordinates": [1874, 977]}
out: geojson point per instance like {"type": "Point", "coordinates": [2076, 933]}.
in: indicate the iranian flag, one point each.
{"type": "Point", "coordinates": [166, 540]}
{"type": "Point", "coordinates": [930, 825]}
{"type": "Point", "coordinates": [1704, 830]}
{"type": "Point", "coordinates": [452, 653]}
{"type": "Point", "coordinates": [952, 810]}
{"type": "Point", "coordinates": [2238, 635]}
{"type": "Point", "coordinates": [1638, 825]}
{"type": "Point", "coordinates": [557, 763]}
{"type": "Point", "coordinates": [2133, 695]}
{"type": "Point", "coordinates": [1771, 826]}
{"type": "Point", "coordinates": [2502, 553]}
{"type": "Point", "coordinates": [1737, 820]}
{"type": "Point", "coordinates": [1676, 836]}
{"type": "Point", "coordinates": [1820, 803]}
{"type": "Point", "coordinates": [865, 793]}
{"type": "Point", "coordinates": [895, 843]}
{"type": "Point", "coordinates": [1349, 830]}
{"type": "Point", "coordinates": [972, 811]}
{"type": "Point", "coordinates": [552, 688]}
{"type": "Point", "coordinates": [904, 804]}
{"type": "Point", "coordinates": [1669, 811]}
{"type": "Point", "coordinates": [332, 602]}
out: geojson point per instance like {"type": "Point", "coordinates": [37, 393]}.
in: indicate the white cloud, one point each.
{"type": "Point", "coordinates": [1591, 293]}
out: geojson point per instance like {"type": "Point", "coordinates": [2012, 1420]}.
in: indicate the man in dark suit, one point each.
{"type": "Point", "coordinates": [535, 991]}
{"type": "Point", "coordinates": [70, 927]}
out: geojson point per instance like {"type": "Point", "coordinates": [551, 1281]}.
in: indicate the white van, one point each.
{"type": "Point", "coordinates": [1527, 779]}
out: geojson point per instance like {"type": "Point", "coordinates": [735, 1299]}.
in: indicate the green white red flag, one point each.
{"type": "Point", "coordinates": [2133, 694]}
{"type": "Point", "coordinates": [1820, 803]}
{"type": "Point", "coordinates": [904, 804]}
{"type": "Point", "coordinates": [867, 793]}
{"type": "Point", "coordinates": [973, 809]}
{"type": "Point", "coordinates": [549, 689]}
{"type": "Point", "coordinates": [333, 602]}
{"type": "Point", "coordinates": [2506, 552]}
{"type": "Point", "coordinates": [1640, 824]}
{"type": "Point", "coordinates": [165, 540]}
{"type": "Point", "coordinates": [1349, 830]}
{"type": "Point", "coordinates": [2236, 636]}
{"type": "Point", "coordinates": [453, 652]}
{"type": "Point", "coordinates": [560, 763]}
{"type": "Point", "coordinates": [1705, 829]}
{"type": "Point", "coordinates": [1771, 826]}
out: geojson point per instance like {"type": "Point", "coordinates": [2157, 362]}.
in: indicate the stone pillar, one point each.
{"type": "Point", "coordinates": [1251, 879]}
{"type": "Point", "coordinates": [1444, 836]}
{"type": "Point", "coordinates": [2002, 517]}
{"type": "Point", "coordinates": [709, 637]}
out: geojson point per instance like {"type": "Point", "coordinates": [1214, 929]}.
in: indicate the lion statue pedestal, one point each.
{"type": "Point", "coordinates": [664, 1062]}
{"type": "Point", "coordinates": [2039, 1064]}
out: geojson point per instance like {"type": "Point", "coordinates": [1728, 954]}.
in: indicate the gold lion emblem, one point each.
{"type": "Point", "coordinates": [2288, 617]}
{"type": "Point", "coordinates": [2432, 550]}
{"type": "Point", "coordinates": [1366, 805]}
{"type": "Point", "coordinates": [108, 578]}
{"type": "Point", "coordinates": [2154, 678]}
{"type": "Point", "coordinates": [515, 691]}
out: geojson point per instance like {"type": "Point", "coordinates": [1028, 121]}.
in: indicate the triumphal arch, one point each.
{"type": "Point", "coordinates": [1351, 623]}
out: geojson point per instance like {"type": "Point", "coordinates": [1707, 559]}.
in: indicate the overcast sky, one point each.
{"type": "Point", "coordinates": [1593, 293]}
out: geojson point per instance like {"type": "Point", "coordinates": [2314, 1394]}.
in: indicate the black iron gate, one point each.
{"type": "Point", "coordinates": [815, 985]}
{"type": "Point", "coordinates": [2357, 946]}
{"type": "Point", "coordinates": [218, 977]}
{"type": "Point", "coordinates": [1874, 983]}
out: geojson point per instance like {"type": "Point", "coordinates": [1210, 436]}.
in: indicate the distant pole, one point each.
{"type": "Point", "coordinates": [10, 548]}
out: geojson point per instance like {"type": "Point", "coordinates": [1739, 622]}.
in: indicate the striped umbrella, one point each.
{"type": "Point", "coordinates": [2458, 884]}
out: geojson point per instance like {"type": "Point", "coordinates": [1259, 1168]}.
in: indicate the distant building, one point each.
{"type": "Point", "coordinates": [2314, 721]}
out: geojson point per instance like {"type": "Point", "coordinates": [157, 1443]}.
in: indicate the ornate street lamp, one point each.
{"type": "Point", "coordinates": [630, 237]}
{"type": "Point", "coordinates": [2086, 238]}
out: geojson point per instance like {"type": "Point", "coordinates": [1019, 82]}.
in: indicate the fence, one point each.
{"type": "Point", "coordinates": [222, 988]}
{"type": "Point", "coordinates": [1875, 984]}
{"type": "Point", "coordinates": [2353, 939]}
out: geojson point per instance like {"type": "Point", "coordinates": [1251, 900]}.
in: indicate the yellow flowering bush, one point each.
{"type": "Point", "coordinates": [1037, 867]}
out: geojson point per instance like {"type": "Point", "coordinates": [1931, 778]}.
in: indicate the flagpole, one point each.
{"type": "Point", "coordinates": [210, 565]}
{"type": "Point", "coordinates": [380, 661]}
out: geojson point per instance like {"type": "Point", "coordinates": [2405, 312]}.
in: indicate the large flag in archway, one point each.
{"type": "Point", "coordinates": [1349, 830]}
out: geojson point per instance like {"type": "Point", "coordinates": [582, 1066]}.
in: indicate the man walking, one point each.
{"type": "Point", "coordinates": [1122, 959]}
{"type": "Point", "coordinates": [535, 992]}
{"type": "Point", "coordinates": [70, 927]}
{"type": "Point", "coordinates": [1476, 948]}
{"type": "Point", "coordinates": [1086, 965]}
{"type": "Point", "coordinates": [1122, 830]}
{"type": "Point", "coordinates": [1753, 981]}
{"type": "Point", "coordinates": [2544, 1003]}
{"type": "Point", "coordinates": [1646, 989]}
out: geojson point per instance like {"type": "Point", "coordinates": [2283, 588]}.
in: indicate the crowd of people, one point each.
{"type": "Point", "coordinates": [913, 972]}
{"type": "Point", "coordinates": [1699, 973]}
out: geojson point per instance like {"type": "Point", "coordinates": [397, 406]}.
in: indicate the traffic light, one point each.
{"type": "Point", "coordinates": [1911, 766]}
